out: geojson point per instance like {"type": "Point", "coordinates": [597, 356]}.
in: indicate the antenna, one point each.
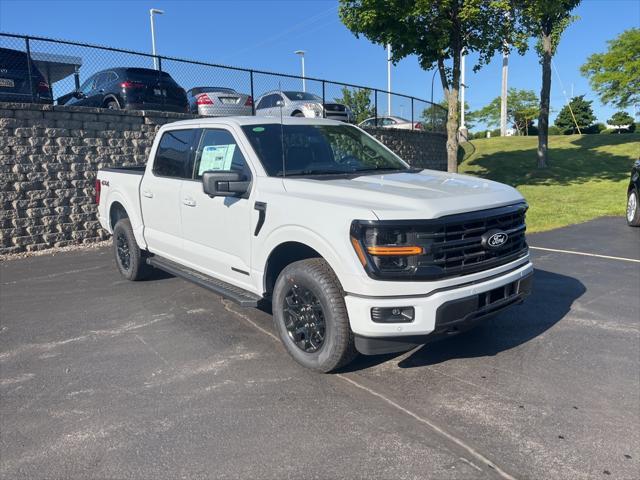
{"type": "Point", "coordinates": [284, 163]}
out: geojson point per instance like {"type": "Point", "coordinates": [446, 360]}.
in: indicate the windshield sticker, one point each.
{"type": "Point", "coordinates": [216, 157]}
{"type": "Point", "coordinates": [258, 129]}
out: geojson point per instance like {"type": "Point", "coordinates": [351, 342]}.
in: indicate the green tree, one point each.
{"type": "Point", "coordinates": [437, 32]}
{"type": "Point", "coordinates": [621, 119]}
{"type": "Point", "coordinates": [359, 101]}
{"type": "Point", "coordinates": [522, 109]}
{"type": "Point", "coordinates": [545, 20]}
{"type": "Point", "coordinates": [579, 112]}
{"type": "Point", "coordinates": [615, 74]}
{"type": "Point", "coordinates": [432, 114]}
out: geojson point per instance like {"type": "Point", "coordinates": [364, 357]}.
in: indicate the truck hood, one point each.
{"type": "Point", "coordinates": [397, 196]}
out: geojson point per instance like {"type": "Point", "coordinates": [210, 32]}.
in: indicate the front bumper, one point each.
{"type": "Point", "coordinates": [444, 311]}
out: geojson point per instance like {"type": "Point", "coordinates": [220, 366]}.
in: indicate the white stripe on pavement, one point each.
{"type": "Point", "coordinates": [585, 254]}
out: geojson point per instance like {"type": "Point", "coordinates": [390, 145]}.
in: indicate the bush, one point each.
{"type": "Point", "coordinates": [553, 130]}
{"type": "Point", "coordinates": [533, 130]}
{"type": "Point", "coordinates": [495, 132]}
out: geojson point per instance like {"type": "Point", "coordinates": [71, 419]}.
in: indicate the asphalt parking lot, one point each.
{"type": "Point", "coordinates": [106, 379]}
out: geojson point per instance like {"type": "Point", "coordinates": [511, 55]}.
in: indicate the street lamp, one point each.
{"type": "Point", "coordinates": [153, 35]}
{"type": "Point", "coordinates": [301, 53]}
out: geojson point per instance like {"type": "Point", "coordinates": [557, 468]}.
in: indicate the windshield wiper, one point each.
{"type": "Point", "coordinates": [398, 169]}
{"type": "Point", "coordinates": [316, 172]}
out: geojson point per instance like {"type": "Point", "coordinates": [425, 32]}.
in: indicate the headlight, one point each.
{"type": "Point", "coordinates": [311, 106]}
{"type": "Point", "coordinates": [386, 250]}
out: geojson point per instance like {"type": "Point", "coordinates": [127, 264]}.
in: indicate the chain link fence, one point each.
{"type": "Point", "coordinates": [44, 70]}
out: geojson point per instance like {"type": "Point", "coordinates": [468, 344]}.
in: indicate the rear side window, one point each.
{"type": "Point", "coordinates": [174, 154]}
{"type": "Point", "coordinates": [218, 151]}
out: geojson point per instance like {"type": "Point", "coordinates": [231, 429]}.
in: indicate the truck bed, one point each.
{"type": "Point", "coordinates": [135, 170]}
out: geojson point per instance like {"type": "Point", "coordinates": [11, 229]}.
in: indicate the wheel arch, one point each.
{"type": "Point", "coordinates": [109, 97]}
{"type": "Point", "coordinates": [282, 255]}
{"type": "Point", "coordinates": [116, 213]}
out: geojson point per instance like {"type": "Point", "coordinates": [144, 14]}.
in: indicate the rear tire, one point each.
{"type": "Point", "coordinates": [130, 260]}
{"type": "Point", "coordinates": [310, 316]}
{"type": "Point", "coordinates": [112, 104]}
{"type": "Point", "coordinates": [633, 209]}
{"type": "Point", "coordinates": [298, 114]}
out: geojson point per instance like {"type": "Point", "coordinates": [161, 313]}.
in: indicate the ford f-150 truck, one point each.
{"type": "Point", "coordinates": [355, 250]}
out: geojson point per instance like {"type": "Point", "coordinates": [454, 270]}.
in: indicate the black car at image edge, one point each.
{"type": "Point", "coordinates": [129, 88]}
{"type": "Point", "coordinates": [14, 79]}
{"type": "Point", "coordinates": [633, 195]}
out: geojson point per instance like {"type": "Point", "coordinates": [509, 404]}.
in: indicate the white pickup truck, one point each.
{"type": "Point", "coordinates": [355, 250]}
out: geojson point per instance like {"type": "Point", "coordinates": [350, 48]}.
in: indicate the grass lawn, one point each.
{"type": "Point", "coordinates": [587, 177]}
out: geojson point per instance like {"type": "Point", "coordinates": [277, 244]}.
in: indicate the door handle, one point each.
{"type": "Point", "coordinates": [189, 202]}
{"type": "Point", "coordinates": [147, 194]}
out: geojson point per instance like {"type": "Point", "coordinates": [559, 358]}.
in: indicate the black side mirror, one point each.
{"type": "Point", "coordinates": [224, 183]}
{"type": "Point", "coordinates": [78, 94]}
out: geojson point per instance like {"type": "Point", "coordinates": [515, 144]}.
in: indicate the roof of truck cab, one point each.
{"type": "Point", "coordinates": [241, 121]}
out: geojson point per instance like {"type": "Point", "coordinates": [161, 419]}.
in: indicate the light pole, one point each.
{"type": "Point", "coordinates": [388, 79]}
{"type": "Point", "coordinates": [463, 87]}
{"type": "Point", "coordinates": [463, 133]}
{"type": "Point", "coordinates": [433, 113]}
{"type": "Point", "coordinates": [152, 11]}
{"type": "Point", "coordinates": [301, 53]}
{"type": "Point", "coordinates": [504, 95]}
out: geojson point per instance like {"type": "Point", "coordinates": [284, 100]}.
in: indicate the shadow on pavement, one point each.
{"type": "Point", "coordinates": [551, 299]}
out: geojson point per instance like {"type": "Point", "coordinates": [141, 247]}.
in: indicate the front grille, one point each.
{"type": "Point", "coordinates": [452, 245]}
{"type": "Point", "coordinates": [334, 107]}
{"type": "Point", "coordinates": [456, 245]}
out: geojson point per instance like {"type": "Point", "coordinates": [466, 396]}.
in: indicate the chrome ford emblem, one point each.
{"type": "Point", "coordinates": [494, 239]}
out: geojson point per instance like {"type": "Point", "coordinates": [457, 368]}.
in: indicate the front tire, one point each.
{"type": "Point", "coordinates": [633, 210]}
{"type": "Point", "coordinates": [130, 260]}
{"type": "Point", "coordinates": [311, 317]}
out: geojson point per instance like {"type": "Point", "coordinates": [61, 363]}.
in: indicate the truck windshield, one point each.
{"type": "Point", "coordinates": [318, 150]}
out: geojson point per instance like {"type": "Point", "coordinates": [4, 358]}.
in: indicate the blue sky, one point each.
{"type": "Point", "coordinates": [264, 34]}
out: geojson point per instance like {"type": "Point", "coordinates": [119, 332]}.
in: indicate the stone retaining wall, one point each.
{"type": "Point", "coordinates": [49, 156]}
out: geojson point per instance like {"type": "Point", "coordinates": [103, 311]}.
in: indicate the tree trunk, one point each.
{"type": "Point", "coordinates": [543, 119]}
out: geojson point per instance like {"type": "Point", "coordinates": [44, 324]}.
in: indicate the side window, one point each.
{"type": "Point", "coordinates": [100, 80]}
{"type": "Point", "coordinates": [264, 103]}
{"type": "Point", "coordinates": [277, 98]}
{"type": "Point", "coordinates": [367, 123]}
{"type": "Point", "coordinates": [87, 86]}
{"type": "Point", "coordinates": [106, 78]}
{"type": "Point", "coordinates": [218, 150]}
{"type": "Point", "coordinates": [388, 121]}
{"type": "Point", "coordinates": [173, 157]}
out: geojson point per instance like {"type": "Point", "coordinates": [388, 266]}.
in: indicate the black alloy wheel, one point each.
{"type": "Point", "coordinates": [304, 318]}
{"type": "Point", "coordinates": [124, 254]}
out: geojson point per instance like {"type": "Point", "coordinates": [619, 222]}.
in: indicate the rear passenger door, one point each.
{"type": "Point", "coordinates": [160, 192]}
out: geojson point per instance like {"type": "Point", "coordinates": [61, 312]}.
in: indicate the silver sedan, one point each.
{"type": "Point", "coordinates": [219, 102]}
{"type": "Point", "coordinates": [300, 104]}
{"type": "Point", "coordinates": [388, 121]}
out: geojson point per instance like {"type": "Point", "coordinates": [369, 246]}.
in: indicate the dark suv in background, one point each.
{"type": "Point", "coordinates": [14, 79]}
{"type": "Point", "coordinates": [129, 88]}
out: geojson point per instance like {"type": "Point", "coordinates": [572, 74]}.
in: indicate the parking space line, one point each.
{"type": "Point", "coordinates": [607, 257]}
{"type": "Point", "coordinates": [477, 455]}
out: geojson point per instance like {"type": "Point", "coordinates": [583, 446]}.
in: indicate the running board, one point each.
{"type": "Point", "coordinates": [242, 297]}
